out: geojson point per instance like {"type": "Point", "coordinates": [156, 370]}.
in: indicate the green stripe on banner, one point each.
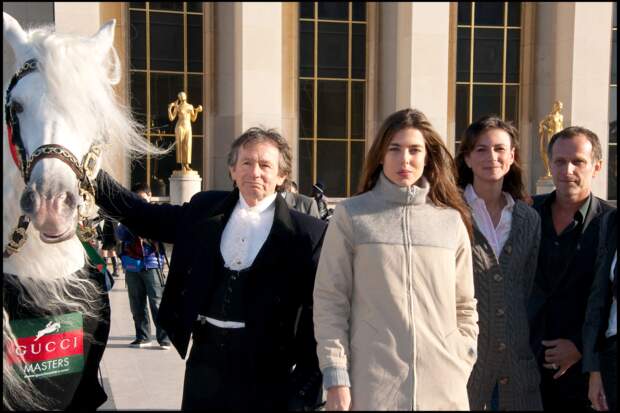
{"type": "Point", "coordinates": [45, 325]}
{"type": "Point", "coordinates": [94, 257]}
{"type": "Point", "coordinates": [51, 368]}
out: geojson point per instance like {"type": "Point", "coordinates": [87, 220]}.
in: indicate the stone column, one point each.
{"type": "Point", "coordinates": [413, 60]}
{"type": "Point", "coordinates": [247, 76]}
{"type": "Point", "coordinates": [572, 64]}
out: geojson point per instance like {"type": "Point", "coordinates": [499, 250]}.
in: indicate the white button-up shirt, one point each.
{"type": "Point", "coordinates": [496, 236]}
{"type": "Point", "coordinates": [246, 232]}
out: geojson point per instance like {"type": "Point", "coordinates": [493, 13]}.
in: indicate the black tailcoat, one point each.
{"type": "Point", "coordinates": [279, 302]}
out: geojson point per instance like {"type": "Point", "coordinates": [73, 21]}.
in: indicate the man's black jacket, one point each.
{"type": "Point", "coordinates": [279, 306]}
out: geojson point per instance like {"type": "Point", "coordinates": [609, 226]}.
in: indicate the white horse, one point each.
{"type": "Point", "coordinates": [65, 98]}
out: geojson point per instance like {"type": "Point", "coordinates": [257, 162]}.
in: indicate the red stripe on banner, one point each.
{"type": "Point", "coordinates": [51, 346]}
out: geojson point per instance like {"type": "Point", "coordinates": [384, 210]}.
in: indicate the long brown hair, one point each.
{"type": "Point", "coordinates": [439, 167]}
{"type": "Point", "coordinates": [513, 180]}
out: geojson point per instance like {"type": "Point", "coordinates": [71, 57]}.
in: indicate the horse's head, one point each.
{"type": "Point", "coordinates": [62, 107]}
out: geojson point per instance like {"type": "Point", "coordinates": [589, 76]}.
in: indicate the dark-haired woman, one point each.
{"type": "Point", "coordinates": [505, 252]}
{"type": "Point", "coordinates": [394, 307]}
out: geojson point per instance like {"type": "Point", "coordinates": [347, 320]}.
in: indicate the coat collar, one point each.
{"type": "Point", "coordinates": [413, 195]}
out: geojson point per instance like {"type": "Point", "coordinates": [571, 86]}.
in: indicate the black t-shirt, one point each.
{"type": "Point", "coordinates": [62, 351]}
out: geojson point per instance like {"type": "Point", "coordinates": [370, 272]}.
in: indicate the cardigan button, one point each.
{"type": "Point", "coordinates": [503, 380]}
{"type": "Point", "coordinates": [501, 347]}
{"type": "Point", "coordinates": [499, 312]}
{"type": "Point", "coordinates": [498, 277]}
{"type": "Point", "coordinates": [508, 249]}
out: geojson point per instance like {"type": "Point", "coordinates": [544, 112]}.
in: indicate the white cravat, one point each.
{"type": "Point", "coordinates": [246, 232]}
{"type": "Point", "coordinates": [496, 236]}
{"type": "Point", "coordinates": [612, 326]}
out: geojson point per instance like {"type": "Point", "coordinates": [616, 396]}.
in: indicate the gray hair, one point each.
{"type": "Point", "coordinates": [256, 135]}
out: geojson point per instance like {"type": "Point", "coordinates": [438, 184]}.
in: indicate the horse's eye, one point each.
{"type": "Point", "coordinates": [17, 107]}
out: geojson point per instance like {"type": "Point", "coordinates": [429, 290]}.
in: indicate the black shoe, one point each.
{"type": "Point", "coordinates": [140, 343]}
{"type": "Point", "coordinates": [165, 345]}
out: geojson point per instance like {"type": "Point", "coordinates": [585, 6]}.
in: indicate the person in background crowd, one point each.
{"type": "Point", "coordinates": [109, 244]}
{"type": "Point", "coordinates": [505, 253]}
{"type": "Point", "coordinates": [297, 201]}
{"type": "Point", "coordinates": [321, 201]}
{"type": "Point", "coordinates": [600, 345]}
{"type": "Point", "coordinates": [240, 282]}
{"type": "Point", "coordinates": [570, 218]}
{"type": "Point", "coordinates": [394, 308]}
{"type": "Point", "coordinates": [143, 262]}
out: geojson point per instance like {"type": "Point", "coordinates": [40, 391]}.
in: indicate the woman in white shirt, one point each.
{"type": "Point", "coordinates": [504, 251]}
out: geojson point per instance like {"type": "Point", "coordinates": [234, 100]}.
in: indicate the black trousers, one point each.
{"type": "Point", "coordinates": [216, 371]}
{"type": "Point", "coordinates": [609, 372]}
{"type": "Point", "coordinates": [567, 393]}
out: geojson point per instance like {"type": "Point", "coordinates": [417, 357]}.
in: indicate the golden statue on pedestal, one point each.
{"type": "Point", "coordinates": [183, 129]}
{"type": "Point", "coordinates": [549, 126]}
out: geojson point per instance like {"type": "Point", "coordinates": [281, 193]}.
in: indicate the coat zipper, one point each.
{"type": "Point", "coordinates": [410, 195]}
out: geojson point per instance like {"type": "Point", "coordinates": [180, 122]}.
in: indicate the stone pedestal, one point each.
{"type": "Point", "coordinates": [183, 185]}
{"type": "Point", "coordinates": [544, 185]}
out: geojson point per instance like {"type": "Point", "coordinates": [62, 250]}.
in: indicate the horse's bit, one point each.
{"type": "Point", "coordinates": [84, 171]}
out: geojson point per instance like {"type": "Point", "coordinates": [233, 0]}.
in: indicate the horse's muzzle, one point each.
{"type": "Point", "coordinates": [53, 215]}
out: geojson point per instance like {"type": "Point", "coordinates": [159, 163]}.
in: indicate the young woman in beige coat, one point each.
{"type": "Point", "coordinates": [394, 308]}
{"type": "Point", "coordinates": [505, 255]}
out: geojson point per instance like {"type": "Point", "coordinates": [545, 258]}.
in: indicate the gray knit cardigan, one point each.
{"type": "Point", "coordinates": [502, 290]}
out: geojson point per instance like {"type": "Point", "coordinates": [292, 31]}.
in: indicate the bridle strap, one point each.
{"type": "Point", "coordinates": [53, 151]}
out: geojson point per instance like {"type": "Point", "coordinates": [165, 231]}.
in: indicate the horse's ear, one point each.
{"type": "Point", "coordinates": [104, 38]}
{"type": "Point", "coordinates": [15, 36]}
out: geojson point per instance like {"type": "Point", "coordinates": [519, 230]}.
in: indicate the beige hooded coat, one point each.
{"type": "Point", "coordinates": [394, 305]}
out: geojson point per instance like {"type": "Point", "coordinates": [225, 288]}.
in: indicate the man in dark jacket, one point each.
{"type": "Point", "coordinates": [570, 218]}
{"type": "Point", "coordinates": [240, 282]}
{"type": "Point", "coordinates": [299, 202]}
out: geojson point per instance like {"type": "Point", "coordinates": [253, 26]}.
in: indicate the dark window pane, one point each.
{"type": "Point", "coordinates": [137, 39]}
{"type": "Point", "coordinates": [613, 114]}
{"type": "Point", "coordinates": [164, 89]}
{"type": "Point", "coordinates": [194, 43]}
{"type": "Point", "coordinates": [514, 13]}
{"type": "Point", "coordinates": [137, 93]}
{"type": "Point", "coordinates": [358, 105]}
{"type": "Point", "coordinates": [357, 163]}
{"type": "Point", "coordinates": [358, 52]}
{"type": "Point", "coordinates": [488, 46]}
{"type": "Point", "coordinates": [194, 6]}
{"type": "Point", "coordinates": [334, 10]}
{"type": "Point", "coordinates": [512, 105]}
{"type": "Point", "coordinates": [487, 101]}
{"type": "Point", "coordinates": [333, 50]}
{"type": "Point", "coordinates": [359, 10]}
{"type": "Point", "coordinates": [166, 41]}
{"type": "Point", "coordinates": [612, 173]}
{"type": "Point", "coordinates": [513, 53]}
{"type": "Point", "coordinates": [195, 97]}
{"type": "Point", "coordinates": [461, 112]}
{"type": "Point", "coordinates": [160, 5]}
{"type": "Point", "coordinates": [489, 13]}
{"type": "Point", "coordinates": [306, 9]}
{"type": "Point", "coordinates": [138, 171]}
{"type": "Point", "coordinates": [305, 157]}
{"type": "Point", "coordinates": [137, 4]}
{"type": "Point", "coordinates": [463, 54]}
{"type": "Point", "coordinates": [464, 13]}
{"type": "Point", "coordinates": [614, 57]}
{"type": "Point", "coordinates": [306, 96]}
{"type": "Point", "coordinates": [331, 109]}
{"type": "Point", "coordinates": [331, 168]}
{"type": "Point", "coordinates": [306, 49]}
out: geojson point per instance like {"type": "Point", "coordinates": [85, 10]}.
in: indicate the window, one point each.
{"type": "Point", "coordinates": [332, 93]}
{"type": "Point", "coordinates": [165, 58]}
{"type": "Point", "coordinates": [488, 61]}
{"type": "Point", "coordinates": [612, 170]}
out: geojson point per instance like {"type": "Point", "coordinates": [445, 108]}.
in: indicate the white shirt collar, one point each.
{"type": "Point", "coordinates": [472, 197]}
{"type": "Point", "coordinates": [260, 206]}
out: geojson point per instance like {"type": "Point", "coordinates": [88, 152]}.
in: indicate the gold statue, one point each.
{"type": "Point", "coordinates": [549, 126]}
{"type": "Point", "coordinates": [183, 129]}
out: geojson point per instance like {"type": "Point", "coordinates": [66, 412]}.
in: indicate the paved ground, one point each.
{"type": "Point", "coordinates": [141, 379]}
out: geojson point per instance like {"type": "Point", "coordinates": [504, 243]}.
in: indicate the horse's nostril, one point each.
{"type": "Point", "coordinates": [30, 201]}
{"type": "Point", "coordinates": [70, 200]}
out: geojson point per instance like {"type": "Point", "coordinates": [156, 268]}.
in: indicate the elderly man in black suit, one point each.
{"type": "Point", "coordinates": [600, 346]}
{"type": "Point", "coordinates": [570, 219]}
{"type": "Point", "coordinates": [240, 282]}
